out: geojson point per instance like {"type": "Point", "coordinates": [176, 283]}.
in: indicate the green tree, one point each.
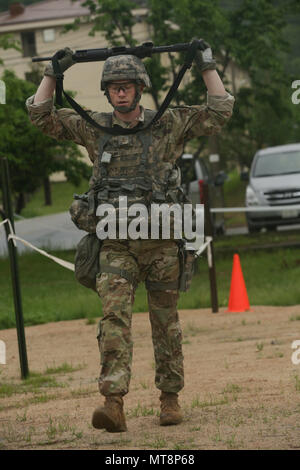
{"type": "Point", "coordinates": [116, 21]}
{"type": "Point", "coordinates": [32, 155]}
{"type": "Point", "coordinates": [247, 33]}
{"type": "Point", "coordinates": [7, 41]}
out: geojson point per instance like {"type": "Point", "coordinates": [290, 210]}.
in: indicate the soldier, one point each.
{"type": "Point", "coordinates": [139, 166]}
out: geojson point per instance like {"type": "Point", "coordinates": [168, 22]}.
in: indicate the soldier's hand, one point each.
{"type": "Point", "coordinates": [65, 62]}
{"type": "Point", "coordinates": [204, 58]}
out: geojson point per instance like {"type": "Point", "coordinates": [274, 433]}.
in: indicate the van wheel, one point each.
{"type": "Point", "coordinates": [271, 228]}
{"type": "Point", "coordinates": [253, 228]}
{"type": "Point", "coordinates": [220, 230]}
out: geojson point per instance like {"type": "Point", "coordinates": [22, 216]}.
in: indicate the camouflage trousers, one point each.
{"type": "Point", "coordinates": [149, 261]}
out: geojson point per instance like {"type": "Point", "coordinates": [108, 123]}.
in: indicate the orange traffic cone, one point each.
{"type": "Point", "coordinates": [238, 298]}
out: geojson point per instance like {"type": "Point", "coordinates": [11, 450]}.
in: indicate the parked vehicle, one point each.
{"type": "Point", "coordinates": [195, 173]}
{"type": "Point", "coordinates": [274, 180]}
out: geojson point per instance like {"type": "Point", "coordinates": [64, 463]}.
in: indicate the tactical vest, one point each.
{"type": "Point", "coordinates": [126, 167]}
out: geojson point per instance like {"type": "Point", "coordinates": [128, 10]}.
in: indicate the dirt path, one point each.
{"type": "Point", "coordinates": [242, 389]}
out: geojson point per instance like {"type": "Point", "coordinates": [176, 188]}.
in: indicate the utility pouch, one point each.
{"type": "Point", "coordinates": [87, 264]}
{"type": "Point", "coordinates": [187, 269]}
{"type": "Point", "coordinates": [81, 215]}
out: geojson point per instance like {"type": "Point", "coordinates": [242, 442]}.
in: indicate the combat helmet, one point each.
{"type": "Point", "coordinates": [124, 67]}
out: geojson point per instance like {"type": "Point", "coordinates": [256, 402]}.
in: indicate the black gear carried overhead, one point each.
{"type": "Point", "coordinates": [191, 50]}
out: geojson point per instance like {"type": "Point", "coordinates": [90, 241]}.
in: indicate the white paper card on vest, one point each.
{"type": "Point", "coordinates": [106, 157]}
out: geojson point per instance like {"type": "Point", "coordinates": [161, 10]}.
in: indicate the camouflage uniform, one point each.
{"type": "Point", "coordinates": [152, 261]}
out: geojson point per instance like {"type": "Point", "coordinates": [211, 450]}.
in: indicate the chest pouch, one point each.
{"type": "Point", "coordinates": [81, 215]}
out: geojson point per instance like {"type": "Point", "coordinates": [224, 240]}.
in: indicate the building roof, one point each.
{"type": "Point", "coordinates": [45, 10]}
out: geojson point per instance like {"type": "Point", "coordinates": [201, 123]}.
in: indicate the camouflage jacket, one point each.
{"type": "Point", "coordinates": [169, 134]}
{"type": "Point", "coordinates": [142, 167]}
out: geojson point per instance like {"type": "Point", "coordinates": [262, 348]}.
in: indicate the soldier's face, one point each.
{"type": "Point", "coordinates": [122, 93]}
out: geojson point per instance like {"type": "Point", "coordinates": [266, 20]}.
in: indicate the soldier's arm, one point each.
{"type": "Point", "coordinates": [210, 118]}
{"type": "Point", "coordinates": [213, 83]}
{"type": "Point", "coordinates": [61, 124]}
{"type": "Point", "coordinates": [194, 121]}
{"type": "Point", "coordinates": [46, 89]}
{"type": "Point", "coordinates": [203, 120]}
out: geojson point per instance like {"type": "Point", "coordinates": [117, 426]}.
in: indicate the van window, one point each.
{"type": "Point", "coordinates": [272, 164]}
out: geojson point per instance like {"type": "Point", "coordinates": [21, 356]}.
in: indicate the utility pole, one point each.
{"type": "Point", "coordinates": [7, 213]}
{"type": "Point", "coordinates": [208, 231]}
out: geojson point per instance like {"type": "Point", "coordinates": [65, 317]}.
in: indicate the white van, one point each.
{"type": "Point", "coordinates": [274, 180]}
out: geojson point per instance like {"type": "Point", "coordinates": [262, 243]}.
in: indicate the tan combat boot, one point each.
{"type": "Point", "coordinates": [110, 416]}
{"type": "Point", "coordinates": [170, 409]}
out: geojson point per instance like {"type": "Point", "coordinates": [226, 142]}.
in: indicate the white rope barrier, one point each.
{"type": "Point", "coordinates": [7, 221]}
{"type": "Point", "coordinates": [14, 237]}
{"type": "Point", "coordinates": [66, 264]}
{"type": "Point", "coordinates": [204, 246]}
{"type": "Point", "coordinates": [256, 209]}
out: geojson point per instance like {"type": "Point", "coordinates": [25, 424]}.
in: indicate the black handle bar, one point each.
{"type": "Point", "coordinates": [145, 50]}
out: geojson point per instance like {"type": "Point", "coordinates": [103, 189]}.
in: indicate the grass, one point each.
{"type": "Point", "coordinates": [192, 330]}
{"type": "Point", "coordinates": [295, 318]}
{"type": "Point", "coordinates": [158, 443]}
{"type": "Point", "coordinates": [267, 281]}
{"type": "Point", "coordinates": [232, 388]}
{"type": "Point", "coordinates": [58, 427]}
{"type": "Point", "coordinates": [65, 368]}
{"type": "Point", "coordinates": [234, 196]}
{"type": "Point", "coordinates": [270, 280]}
{"type": "Point", "coordinates": [259, 347]}
{"type": "Point", "coordinates": [297, 383]}
{"type": "Point", "coordinates": [197, 403]}
{"type": "Point", "coordinates": [250, 242]}
{"type": "Point", "coordinates": [141, 410]}
{"type": "Point", "coordinates": [144, 385]}
{"type": "Point", "coordinates": [36, 382]}
{"type": "Point", "coordinates": [62, 197]}
{"type": "Point", "coordinates": [40, 279]}
{"type": "Point", "coordinates": [33, 384]}
{"type": "Point", "coordinates": [57, 430]}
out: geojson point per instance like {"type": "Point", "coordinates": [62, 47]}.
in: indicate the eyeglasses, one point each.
{"type": "Point", "coordinates": [115, 89]}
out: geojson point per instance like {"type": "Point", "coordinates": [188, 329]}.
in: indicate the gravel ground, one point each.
{"type": "Point", "coordinates": [242, 389]}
